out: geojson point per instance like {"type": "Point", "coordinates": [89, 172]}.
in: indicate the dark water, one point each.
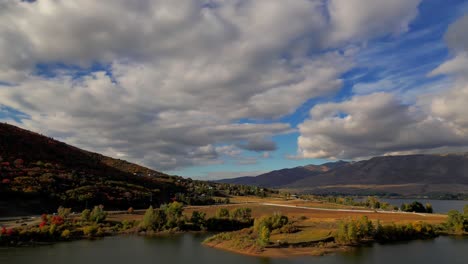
{"type": "Point", "coordinates": [439, 206]}
{"type": "Point", "coordinates": [187, 248]}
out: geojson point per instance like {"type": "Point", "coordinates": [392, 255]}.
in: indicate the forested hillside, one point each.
{"type": "Point", "coordinates": [38, 173]}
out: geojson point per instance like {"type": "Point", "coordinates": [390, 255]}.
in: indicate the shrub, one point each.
{"type": "Point", "coordinates": [65, 234]}
{"type": "Point", "coordinates": [98, 214]}
{"type": "Point", "coordinates": [198, 219]}
{"type": "Point", "coordinates": [63, 212]}
{"type": "Point", "coordinates": [85, 215]}
{"type": "Point", "coordinates": [273, 222]}
{"type": "Point", "coordinates": [222, 213]}
{"type": "Point", "coordinates": [263, 236]}
{"type": "Point", "coordinates": [456, 222]}
{"type": "Point", "coordinates": [153, 219]}
{"type": "Point", "coordinates": [57, 220]}
{"type": "Point", "coordinates": [289, 229]}
{"type": "Point", "coordinates": [242, 214]}
{"type": "Point", "coordinates": [352, 231]}
{"type": "Point", "coordinates": [52, 229]}
{"type": "Point", "coordinates": [90, 230]}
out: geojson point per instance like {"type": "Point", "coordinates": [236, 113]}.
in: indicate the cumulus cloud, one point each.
{"type": "Point", "coordinates": [177, 77]}
{"type": "Point", "coordinates": [380, 124]}
{"type": "Point", "coordinates": [363, 19]}
{"type": "Point", "coordinates": [371, 125]}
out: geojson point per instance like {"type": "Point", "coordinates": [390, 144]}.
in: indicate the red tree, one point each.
{"type": "Point", "coordinates": [42, 224]}
{"type": "Point", "coordinates": [6, 181]}
{"type": "Point", "coordinates": [44, 218]}
{"type": "Point", "coordinates": [10, 231]}
{"type": "Point", "coordinates": [57, 220]}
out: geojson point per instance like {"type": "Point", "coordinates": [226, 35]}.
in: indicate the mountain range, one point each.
{"type": "Point", "coordinates": [396, 175]}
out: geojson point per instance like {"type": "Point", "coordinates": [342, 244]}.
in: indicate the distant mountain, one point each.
{"type": "Point", "coordinates": [402, 175]}
{"type": "Point", "coordinates": [283, 177]}
{"type": "Point", "coordinates": [38, 173]}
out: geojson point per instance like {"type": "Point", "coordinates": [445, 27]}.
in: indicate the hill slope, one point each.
{"type": "Point", "coordinates": [38, 173]}
{"type": "Point", "coordinates": [403, 175]}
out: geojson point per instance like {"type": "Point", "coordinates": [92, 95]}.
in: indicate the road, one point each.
{"type": "Point", "coordinates": [341, 210]}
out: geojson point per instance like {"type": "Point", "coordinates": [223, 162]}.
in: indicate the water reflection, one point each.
{"type": "Point", "coordinates": [187, 248]}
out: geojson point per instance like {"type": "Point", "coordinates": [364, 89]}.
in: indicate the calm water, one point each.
{"type": "Point", "coordinates": [439, 206]}
{"type": "Point", "coordinates": [186, 248]}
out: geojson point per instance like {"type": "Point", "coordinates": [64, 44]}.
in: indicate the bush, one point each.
{"type": "Point", "coordinates": [85, 215]}
{"type": "Point", "coordinates": [289, 229]}
{"type": "Point", "coordinates": [222, 213]}
{"type": "Point", "coordinates": [154, 219]}
{"type": "Point", "coordinates": [456, 222]}
{"type": "Point", "coordinates": [90, 230]}
{"type": "Point", "coordinates": [353, 231]}
{"type": "Point", "coordinates": [65, 234]}
{"type": "Point", "coordinates": [263, 236]}
{"type": "Point", "coordinates": [417, 207]}
{"type": "Point", "coordinates": [98, 214]}
{"type": "Point", "coordinates": [242, 214]}
{"type": "Point", "coordinates": [63, 212]}
{"type": "Point", "coordinates": [198, 219]}
{"type": "Point", "coordinates": [273, 222]}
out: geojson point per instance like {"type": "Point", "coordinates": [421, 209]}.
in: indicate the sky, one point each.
{"type": "Point", "coordinates": [214, 89]}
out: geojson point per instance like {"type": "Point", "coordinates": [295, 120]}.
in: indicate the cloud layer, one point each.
{"type": "Point", "coordinates": [171, 84]}
{"type": "Point", "coordinates": [379, 123]}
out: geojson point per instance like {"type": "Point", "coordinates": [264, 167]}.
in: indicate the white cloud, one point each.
{"type": "Point", "coordinates": [363, 19]}
{"type": "Point", "coordinates": [182, 73]}
{"type": "Point", "coordinates": [380, 124]}
{"type": "Point", "coordinates": [375, 124]}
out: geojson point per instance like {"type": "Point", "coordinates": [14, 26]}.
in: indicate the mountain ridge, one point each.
{"type": "Point", "coordinates": [404, 175]}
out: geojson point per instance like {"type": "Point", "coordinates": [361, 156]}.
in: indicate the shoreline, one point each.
{"type": "Point", "coordinates": [281, 252]}
{"type": "Point", "coordinates": [319, 248]}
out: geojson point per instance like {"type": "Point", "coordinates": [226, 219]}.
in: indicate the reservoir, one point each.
{"type": "Point", "coordinates": [187, 248]}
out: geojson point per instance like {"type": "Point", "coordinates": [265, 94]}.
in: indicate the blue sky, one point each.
{"type": "Point", "coordinates": [211, 89]}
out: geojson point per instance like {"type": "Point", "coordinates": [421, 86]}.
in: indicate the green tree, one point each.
{"type": "Point", "coordinates": [173, 213]}
{"type": "Point", "coordinates": [85, 215]}
{"type": "Point", "coordinates": [52, 229]}
{"type": "Point", "coordinates": [98, 214]}
{"type": "Point", "coordinates": [429, 209]}
{"type": "Point", "coordinates": [242, 214]}
{"type": "Point", "coordinates": [222, 213]}
{"type": "Point", "coordinates": [174, 210]}
{"type": "Point", "coordinates": [352, 232]}
{"type": "Point", "coordinates": [198, 219]}
{"type": "Point", "coordinates": [263, 236]}
{"type": "Point", "coordinates": [65, 234]}
{"type": "Point", "coordinates": [63, 212]}
{"type": "Point", "coordinates": [148, 218]}
{"type": "Point", "coordinates": [456, 221]}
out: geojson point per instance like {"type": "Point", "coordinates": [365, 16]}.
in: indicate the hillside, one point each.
{"type": "Point", "coordinates": [279, 178]}
{"type": "Point", "coordinates": [38, 173]}
{"type": "Point", "coordinates": [399, 175]}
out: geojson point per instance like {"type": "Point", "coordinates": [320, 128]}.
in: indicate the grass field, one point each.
{"type": "Point", "coordinates": [315, 220]}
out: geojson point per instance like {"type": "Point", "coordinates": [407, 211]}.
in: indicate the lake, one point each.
{"type": "Point", "coordinates": [439, 206]}
{"type": "Point", "coordinates": [187, 248]}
